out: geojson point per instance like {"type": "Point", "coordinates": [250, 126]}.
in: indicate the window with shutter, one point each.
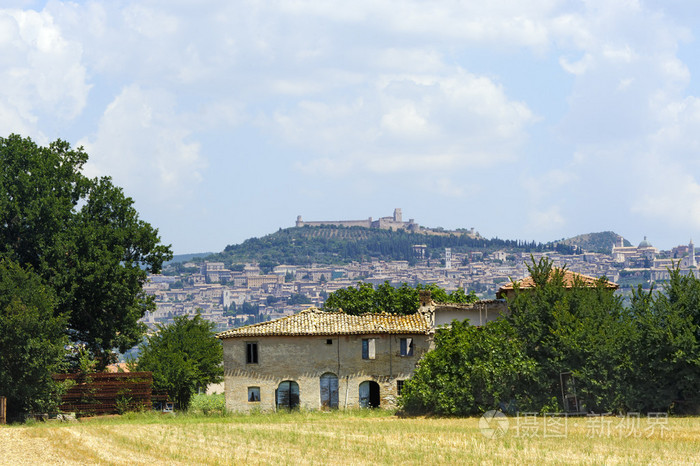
{"type": "Point", "coordinates": [406, 346]}
{"type": "Point", "coordinates": [368, 348]}
{"type": "Point", "coordinates": [251, 352]}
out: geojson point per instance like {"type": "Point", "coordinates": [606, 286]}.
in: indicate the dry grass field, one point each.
{"type": "Point", "coordinates": [356, 437]}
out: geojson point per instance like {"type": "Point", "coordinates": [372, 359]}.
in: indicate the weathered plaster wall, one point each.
{"type": "Point", "coordinates": [478, 313]}
{"type": "Point", "coordinates": [304, 359]}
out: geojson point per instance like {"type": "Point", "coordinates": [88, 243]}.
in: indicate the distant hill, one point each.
{"type": "Point", "coordinates": [593, 242]}
{"type": "Point", "coordinates": [327, 244]}
{"type": "Point", "coordinates": [177, 258]}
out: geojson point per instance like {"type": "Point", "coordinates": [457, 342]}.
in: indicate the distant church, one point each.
{"type": "Point", "coordinates": [686, 255]}
{"type": "Point", "coordinates": [384, 223]}
{"type": "Point", "coordinates": [632, 254]}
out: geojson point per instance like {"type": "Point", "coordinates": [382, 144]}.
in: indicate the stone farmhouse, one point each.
{"type": "Point", "coordinates": [316, 359]}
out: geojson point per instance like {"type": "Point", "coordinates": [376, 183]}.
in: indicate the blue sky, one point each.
{"type": "Point", "coordinates": [532, 120]}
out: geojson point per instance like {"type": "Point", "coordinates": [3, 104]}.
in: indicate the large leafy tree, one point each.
{"type": "Point", "coordinates": [471, 370]}
{"type": "Point", "coordinates": [32, 341]}
{"type": "Point", "coordinates": [365, 298]}
{"type": "Point", "coordinates": [183, 357]}
{"type": "Point", "coordinates": [666, 350]}
{"type": "Point", "coordinates": [580, 329]}
{"type": "Point", "coordinates": [83, 237]}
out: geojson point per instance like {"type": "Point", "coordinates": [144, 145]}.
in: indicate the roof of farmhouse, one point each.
{"type": "Point", "coordinates": [570, 279]}
{"type": "Point", "coordinates": [317, 322]}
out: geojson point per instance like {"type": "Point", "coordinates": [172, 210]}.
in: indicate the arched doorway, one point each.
{"type": "Point", "coordinates": [369, 394]}
{"type": "Point", "coordinates": [287, 395]}
{"type": "Point", "coordinates": [329, 391]}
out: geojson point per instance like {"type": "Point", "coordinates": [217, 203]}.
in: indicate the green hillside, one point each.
{"type": "Point", "coordinates": [188, 257]}
{"type": "Point", "coordinates": [341, 245]}
{"type": "Point", "coordinates": [594, 242]}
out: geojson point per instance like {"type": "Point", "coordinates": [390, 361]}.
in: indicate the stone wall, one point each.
{"type": "Point", "coordinates": [338, 223]}
{"type": "Point", "coordinates": [478, 313]}
{"type": "Point", "coordinates": [385, 223]}
{"type": "Point", "coordinates": [304, 359]}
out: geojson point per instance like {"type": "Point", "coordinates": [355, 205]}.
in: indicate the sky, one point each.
{"type": "Point", "coordinates": [224, 120]}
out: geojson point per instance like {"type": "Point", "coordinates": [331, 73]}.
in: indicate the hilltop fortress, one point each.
{"type": "Point", "coordinates": [384, 223]}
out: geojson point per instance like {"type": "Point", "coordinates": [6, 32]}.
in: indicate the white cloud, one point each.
{"type": "Point", "coordinates": [383, 163]}
{"type": "Point", "coordinates": [424, 60]}
{"type": "Point", "coordinates": [446, 187]}
{"type": "Point", "coordinates": [405, 121]}
{"type": "Point", "coordinates": [542, 222]}
{"type": "Point", "coordinates": [625, 83]}
{"type": "Point", "coordinates": [42, 78]}
{"type": "Point", "coordinates": [619, 54]}
{"type": "Point", "coordinates": [678, 133]}
{"type": "Point", "coordinates": [579, 66]}
{"type": "Point", "coordinates": [145, 145]}
{"type": "Point", "coordinates": [150, 22]}
{"type": "Point", "coordinates": [669, 169]}
{"type": "Point", "coordinates": [411, 122]}
{"type": "Point", "coordinates": [508, 22]}
{"type": "Point", "coordinates": [674, 198]}
{"type": "Point", "coordinates": [623, 58]}
{"type": "Point", "coordinates": [547, 185]}
{"type": "Point", "coordinates": [326, 166]}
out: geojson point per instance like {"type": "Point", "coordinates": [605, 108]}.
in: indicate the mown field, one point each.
{"type": "Point", "coordinates": [356, 437]}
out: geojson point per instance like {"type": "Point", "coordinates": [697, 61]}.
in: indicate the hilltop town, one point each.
{"type": "Point", "coordinates": [244, 293]}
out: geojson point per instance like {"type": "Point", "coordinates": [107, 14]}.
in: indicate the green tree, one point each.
{"type": "Point", "coordinates": [352, 300]}
{"type": "Point", "coordinates": [365, 298]}
{"type": "Point", "coordinates": [266, 265]}
{"type": "Point", "coordinates": [666, 352]}
{"type": "Point", "coordinates": [183, 357]}
{"type": "Point", "coordinates": [580, 329]}
{"type": "Point", "coordinates": [83, 237]}
{"type": "Point", "coordinates": [471, 370]}
{"type": "Point", "coordinates": [32, 341]}
{"type": "Point", "coordinates": [298, 298]}
{"type": "Point", "coordinates": [230, 311]}
{"type": "Point", "coordinates": [249, 308]}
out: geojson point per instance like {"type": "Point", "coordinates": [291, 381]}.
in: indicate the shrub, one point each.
{"type": "Point", "coordinates": [208, 404]}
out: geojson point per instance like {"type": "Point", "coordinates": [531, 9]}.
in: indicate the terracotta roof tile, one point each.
{"type": "Point", "coordinates": [316, 322]}
{"type": "Point", "coordinates": [569, 279]}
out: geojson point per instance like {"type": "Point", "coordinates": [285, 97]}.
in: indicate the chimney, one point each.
{"type": "Point", "coordinates": [425, 298]}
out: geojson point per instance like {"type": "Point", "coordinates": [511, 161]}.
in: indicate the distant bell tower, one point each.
{"type": "Point", "coordinates": [398, 217]}
{"type": "Point", "coordinates": [691, 253]}
{"type": "Point", "coordinates": [448, 258]}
